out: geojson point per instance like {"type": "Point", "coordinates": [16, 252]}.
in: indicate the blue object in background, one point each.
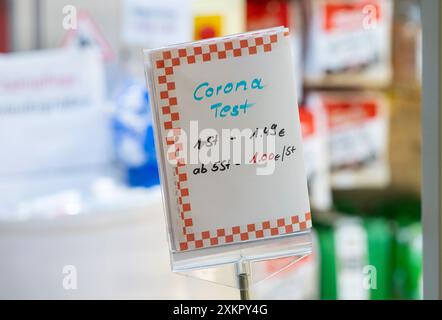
{"type": "Point", "coordinates": [134, 138]}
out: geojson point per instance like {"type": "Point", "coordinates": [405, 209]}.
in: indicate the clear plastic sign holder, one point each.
{"type": "Point", "coordinates": [234, 265]}
{"type": "Point", "coordinates": [230, 264]}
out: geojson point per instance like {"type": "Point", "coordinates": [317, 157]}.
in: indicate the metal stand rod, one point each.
{"type": "Point", "coordinates": [244, 293]}
{"type": "Point", "coordinates": [243, 274]}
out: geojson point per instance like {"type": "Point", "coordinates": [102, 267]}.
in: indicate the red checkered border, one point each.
{"type": "Point", "coordinates": [165, 65]}
{"type": "Point", "coordinates": [248, 232]}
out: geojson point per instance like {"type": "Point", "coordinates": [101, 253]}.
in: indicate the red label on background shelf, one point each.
{"type": "Point", "coordinates": [341, 113]}
{"type": "Point", "coordinates": [266, 14]}
{"type": "Point", "coordinates": [350, 16]}
{"type": "Point", "coordinates": [307, 122]}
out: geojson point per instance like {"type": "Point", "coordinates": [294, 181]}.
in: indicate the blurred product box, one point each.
{"type": "Point", "coordinates": [356, 258]}
{"type": "Point", "coordinates": [262, 14]}
{"type": "Point", "coordinates": [358, 124]}
{"type": "Point", "coordinates": [217, 18]}
{"type": "Point", "coordinates": [349, 43]}
{"type": "Point", "coordinates": [272, 13]}
{"type": "Point", "coordinates": [408, 265]}
{"type": "Point", "coordinates": [316, 157]}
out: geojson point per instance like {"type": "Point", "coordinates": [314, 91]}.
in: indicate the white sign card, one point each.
{"type": "Point", "coordinates": [52, 111]}
{"type": "Point", "coordinates": [229, 139]}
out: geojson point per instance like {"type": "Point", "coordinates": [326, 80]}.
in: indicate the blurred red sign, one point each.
{"type": "Point", "coordinates": [267, 14]}
{"type": "Point", "coordinates": [350, 15]}
{"type": "Point", "coordinates": [348, 112]}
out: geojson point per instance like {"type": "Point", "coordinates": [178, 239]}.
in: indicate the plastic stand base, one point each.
{"type": "Point", "coordinates": [234, 265]}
